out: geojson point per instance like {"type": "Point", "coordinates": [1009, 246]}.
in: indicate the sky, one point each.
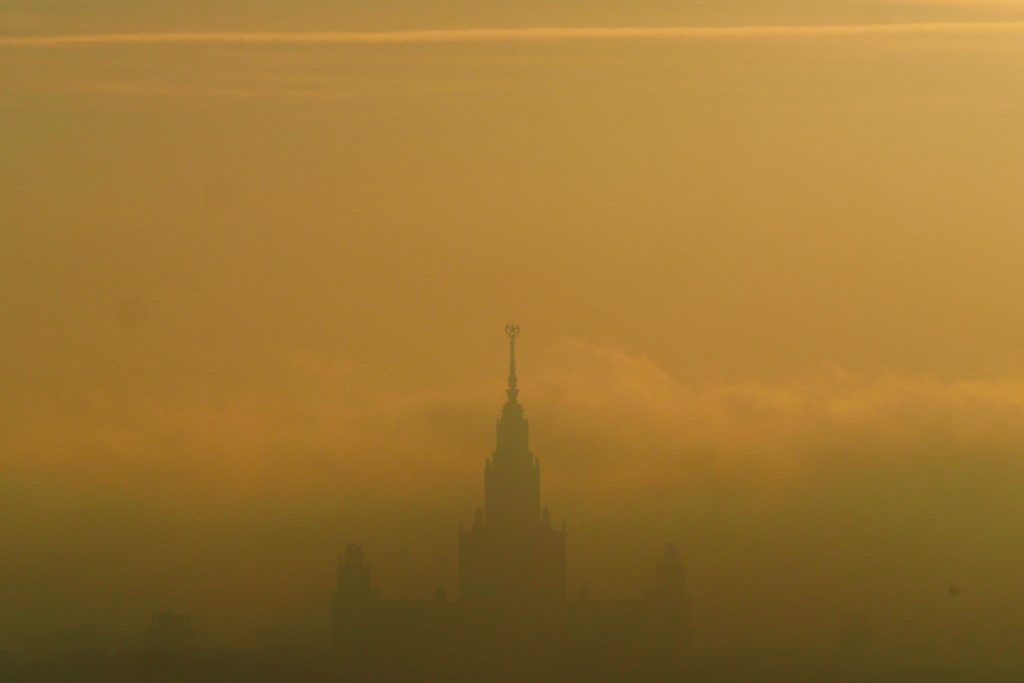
{"type": "Point", "coordinates": [255, 262]}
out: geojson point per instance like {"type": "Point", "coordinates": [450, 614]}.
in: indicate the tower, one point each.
{"type": "Point", "coordinates": [512, 555]}
{"type": "Point", "coordinates": [355, 607]}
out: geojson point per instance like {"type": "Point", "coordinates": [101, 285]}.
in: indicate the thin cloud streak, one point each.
{"type": "Point", "coordinates": [500, 35]}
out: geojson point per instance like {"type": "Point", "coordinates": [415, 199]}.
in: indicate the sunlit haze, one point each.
{"type": "Point", "coordinates": [256, 260]}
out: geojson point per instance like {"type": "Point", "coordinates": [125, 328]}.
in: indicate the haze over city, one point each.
{"type": "Point", "coordinates": [255, 262]}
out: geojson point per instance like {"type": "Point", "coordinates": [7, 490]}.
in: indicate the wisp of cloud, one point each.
{"type": "Point", "coordinates": [497, 35]}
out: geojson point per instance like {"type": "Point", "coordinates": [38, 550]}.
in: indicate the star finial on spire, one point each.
{"type": "Point", "coordinates": [512, 331]}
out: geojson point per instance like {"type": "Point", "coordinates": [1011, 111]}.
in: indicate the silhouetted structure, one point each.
{"type": "Point", "coordinates": [511, 616]}
{"type": "Point", "coordinates": [511, 555]}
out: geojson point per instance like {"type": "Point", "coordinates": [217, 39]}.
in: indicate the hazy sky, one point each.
{"type": "Point", "coordinates": [769, 283]}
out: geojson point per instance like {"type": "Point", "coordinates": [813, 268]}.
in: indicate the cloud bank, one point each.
{"type": "Point", "coordinates": [312, 417]}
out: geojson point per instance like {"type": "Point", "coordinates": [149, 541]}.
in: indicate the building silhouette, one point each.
{"type": "Point", "coordinates": [512, 555]}
{"type": "Point", "coordinates": [511, 617]}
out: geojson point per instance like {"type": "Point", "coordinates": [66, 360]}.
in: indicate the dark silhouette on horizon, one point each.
{"type": "Point", "coordinates": [512, 555]}
{"type": "Point", "coordinates": [510, 620]}
{"type": "Point", "coordinates": [511, 616]}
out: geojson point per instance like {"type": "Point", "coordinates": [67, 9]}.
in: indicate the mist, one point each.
{"type": "Point", "coordinates": [768, 286]}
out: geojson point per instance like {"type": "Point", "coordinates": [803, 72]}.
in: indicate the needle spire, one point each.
{"type": "Point", "coordinates": [512, 330]}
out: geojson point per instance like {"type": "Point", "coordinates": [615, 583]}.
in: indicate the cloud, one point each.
{"type": "Point", "coordinates": [605, 416]}
{"type": "Point", "coordinates": [503, 35]}
{"type": "Point", "coordinates": [661, 427]}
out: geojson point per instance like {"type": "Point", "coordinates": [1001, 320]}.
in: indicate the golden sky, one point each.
{"type": "Point", "coordinates": [255, 262]}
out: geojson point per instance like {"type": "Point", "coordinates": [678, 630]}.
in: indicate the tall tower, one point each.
{"type": "Point", "coordinates": [512, 555]}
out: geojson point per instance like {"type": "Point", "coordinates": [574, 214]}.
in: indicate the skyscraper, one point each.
{"type": "Point", "coordinates": [512, 555]}
{"type": "Point", "coordinates": [511, 620]}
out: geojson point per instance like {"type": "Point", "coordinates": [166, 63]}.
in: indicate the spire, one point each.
{"type": "Point", "coordinates": [512, 330]}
